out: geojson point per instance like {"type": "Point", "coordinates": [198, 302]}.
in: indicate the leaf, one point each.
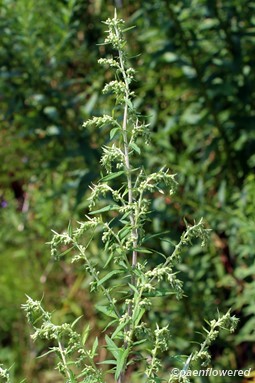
{"type": "Point", "coordinates": [91, 103]}
{"type": "Point", "coordinates": [138, 315]}
{"type": "Point", "coordinates": [95, 346]}
{"type": "Point", "coordinates": [85, 334]}
{"type": "Point", "coordinates": [160, 292]}
{"type": "Point", "coordinates": [112, 176]}
{"type": "Point", "coordinates": [124, 217]}
{"type": "Point", "coordinates": [135, 147]}
{"type": "Point", "coordinates": [123, 232]}
{"type": "Point", "coordinates": [69, 229]}
{"type": "Point", "coordinates": [147, 237]}
{"type": "Point", "coordinates": [106, 208]}
{"type": "Point", "coordinates": [111, 323]}
{"type": "Point", "coordinates": [113, 132]}
{"type": "Point", "coordinates": [111, 361]}
{"type": "Point", "coordinates": [129, 28]}
{"type": "Point", "coordinates": [46, 353]}
{"type": "Point", "coordinates": [118, 329]}
{"type": "Point", "coordinates": [108, 276]}
{"type": "Point", "coordinates": [139, 342]}
{"type": "Point", "coordinates": [134, 288]}
{"type": "Point", "coordinates": [76, 320]}
{"type": "Point", "coordinates": [111, 346]}
{"type": "Point", "coordinates": [66, 251]}
{"type": "Point", "coordinates": [142, 250]}
{"type": "Point", "coordinates": [107, 311]}
{"type": "Point", "coordinates": [122, 356]}
{"type": "Point", "coordinates": [108, 260]}
{"type": "Point", "coordinates": [130, 105]}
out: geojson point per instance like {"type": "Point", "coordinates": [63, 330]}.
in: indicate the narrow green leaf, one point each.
{"type": "Point", "coordinates": [85, 335]}
{"type": "Point", "coordinates": [111, 176]}
{"type": "Point", "coordinates": [46, 353]}
{"type": "Point", "coordinates": [76, 320]}
{"type": "Point", "coordinates": [135, 147]}
{"type": "Point", "coordinates": [124, 265]}
{"type": "Point", "coordinates": [124, 217]}
{"type": "Point", "coordinates": [95, 346]}
{"type": "Point", "coordinates": [129, 28]}
{"type": "Point", "coordinates": [147, 237]}
{"type": "Point", "coordinates": [118, 329]}
{"type": "Point", "coordinates": [139, 315]}
{"type": "Point", "coordinates": [111, 361]}
{"type": "Point", "coordinates": [130, 105]}
{"type": "Point", "coordinates": [106, 208]}
{"type": "Point", "coordinates": [133, 288]}
{"type": "Point", "coordinates": [111, 323]}
{"type": "Point", "coordinates": [66, 251]}
{"type": "Point", "coordinates": [107, 311]}
{"type": "Point", "coordinates": [123, 232]}
{"type": "Point", "coordinates": [123, 354]}
{"type": "Point", "coordinates": [108, 276]}
{"type": "Point", "coordinates": [108, 259]}
{"type": "Point", "coordinates": [139, 342]}
{"type": "Point", "coordinates": [142, 250]}
{"type": "Point", "coordinates": [111, 346]}
{"type": "Point", "coordinates": [69, 229]}
{"type": "Point", "coordinates": [113, 132]}
{"type": "Point", "coordinates": [159, 293]}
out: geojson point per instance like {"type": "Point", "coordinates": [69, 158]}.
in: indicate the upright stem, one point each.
{"type": "Point", "coordinates": [134, 231]}
{"type": "Point", "coordinates": [130, 190]}
{"type": "Point", "coordinates": [64, 360]}
{"type": "Point", "coordinates": [126, 154]}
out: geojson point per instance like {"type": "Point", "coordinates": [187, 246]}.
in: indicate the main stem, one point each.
{"type": "Point", "coordinates": [134, 231]}
{"type": "Point", "coordinates": [126, 154]}
{"type": "Point", "coordinates": [128, 168]}
{"type": "Point", "coordinates": [130, 190]}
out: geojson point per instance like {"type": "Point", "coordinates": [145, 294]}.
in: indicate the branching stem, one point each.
{"type": "Point", "coordinates": [62, 353]}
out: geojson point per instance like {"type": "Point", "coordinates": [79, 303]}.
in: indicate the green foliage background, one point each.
{"type": "Point", "coordinates": [196, 85]}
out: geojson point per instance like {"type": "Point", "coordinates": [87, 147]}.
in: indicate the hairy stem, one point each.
{"type": "Point", "coordinates": [126, 155]}
{"type": "Point", "coordinates": [62, 353]}
{"type": "Point", "coordinates": [134, 231]}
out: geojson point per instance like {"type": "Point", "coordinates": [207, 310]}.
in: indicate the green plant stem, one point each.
{"type": "Point", "coordinates": [134, 231]}
{"type": "Point", "coordinates": [64, 360]}
{"type": "Point", "coordinates": [178, 247]}
{"type": "Point", "coordinates": [127, 162]}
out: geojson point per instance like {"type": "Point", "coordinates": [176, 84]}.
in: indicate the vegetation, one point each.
{"type": "Point", "coordinates": [195, 82]}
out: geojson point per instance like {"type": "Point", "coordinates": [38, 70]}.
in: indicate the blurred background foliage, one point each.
{"type": "Point", "coordinates": [196, 85]}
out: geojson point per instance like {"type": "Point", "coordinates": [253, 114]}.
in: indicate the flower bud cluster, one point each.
{"type": "Point", "coordinates": [101, 121]}
{"type": "Point", "coordinates": [112, 154]}
{"type": "Point", "coordinates": [224, 322]}
{"type": "Point", "coordinates": [4, 373]}
{"type": "Point", "coordinates": [97, 191]}
{"type": "Point", "coordinates": [84, 226]}
{"type": "Point", "coordinates": [161, 344]}
{"type": "Point", "coordinates": [114, 33]}
{"type": "Point", "coordinates": [110, 62]}
{"type": "Point", "coordinates": [118, 88]}
{"type": "Point", "coordinates": [152, 182]}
